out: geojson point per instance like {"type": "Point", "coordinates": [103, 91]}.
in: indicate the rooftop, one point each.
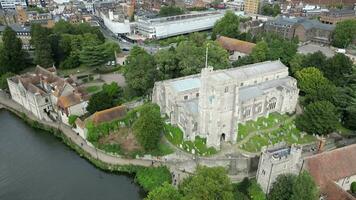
{"type": "Point", "coordinates": [232, 44]}
{"type": "Point", "coordinates": [109, 115]}
{"type": "Point", "coordinates": [186, 84]}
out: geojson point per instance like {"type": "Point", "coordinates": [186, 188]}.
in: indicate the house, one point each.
{"type": "Point", "coordinates": [337, 15]}
{"type": "Point", "coordinates": [333, 171]}
{"type": "Point", "coordinates": [22, 32]}
{"type": "Point", "coordinates": [212, 103]}
{"type": "Point", "coordinates": [236, 48]}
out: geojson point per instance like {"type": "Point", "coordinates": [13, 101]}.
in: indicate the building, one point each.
{"type": "Point", "coordinates": [238, 5]}
{"type": "Point", "coordinates": [7, 17]}
{"type": "Point", "coordinates": [40, 92]}
{"type": "Point", "coordinates": [337, 15]}
{"type": "Point", "coordinates": [22, 32]}
{"type": "Point", "coordinates": [116, 22]}
{"type": "Point", "coordinates": [252, 6]}
{"type": "Point", "coordinates": [163, 27]}
{"type": "Point", "coordinates": [333, 171]}
{"type": "Point", "coordinates": [302, 28]}
{"type": "Point", "coordinates": [11, 4]}
{"type": "Point", "coordinates": [277, 160]}
{"type": "Point", "coordinates": [74, 103]}
{"type": "Point", "coordinates": [236, 48]}
{"type": "Point", "coordinates": [212, 103]}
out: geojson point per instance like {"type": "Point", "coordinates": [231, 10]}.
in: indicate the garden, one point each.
{"type": "Point", "coordinates": [175, 135]}
{"type": "Point", "coordinates": [270, 130]}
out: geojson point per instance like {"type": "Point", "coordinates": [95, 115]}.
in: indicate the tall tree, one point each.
{"type": "Point", "coordinates": [344, 33]}
{"type": "Point", "coordinates": [337, 68]}
{"type": "Point", "coordinates": [148, 127]}
{"type": "Point", "coordinates": [42, 44]}
{"type": "Point", "coordinates": [305, 188]}
{"type": "Point", "coordinates": [208, 183]}
{"type": "Point", "coordinates": [166, 191]}
{"type": "Point", "coordinates": [227, 26]}
{"type": "Point", "coordinates": [260, 52]}
{"type": "Point", "coordinates": [12, 57]}
{"type": "Point", "coordinates": [319, 117]}
{"type": "Point", "coordinates": [282, 188]}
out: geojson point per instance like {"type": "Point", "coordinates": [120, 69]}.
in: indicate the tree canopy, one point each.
{"type": "Point", "coordinates": [166, 11]}
{"type": "Point", "coordinates": [344, 33]}
{"type": "Point", "coordinates": [282, 188]}
{"type": "Point", "coordinates": [227, 26]}
{"type": "Point", "coordinates": [42, 44]}
{"type": "Point", "coordinates": [166, 191]}
{"type": "Point", "coordinates": [271, 10]}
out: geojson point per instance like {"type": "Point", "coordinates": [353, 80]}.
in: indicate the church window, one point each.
{"type": "Point", "coordinates": [272, 103]}
{"type": "Point", "coordinates": [185, 97]}
{"type": "Point", "coordinates": [197, 94]}
{"type": "Point", "coordinates": [226, 89]}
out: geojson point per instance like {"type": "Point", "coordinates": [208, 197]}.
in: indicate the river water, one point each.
{"type": "Point", "coordinates": [35, 165]}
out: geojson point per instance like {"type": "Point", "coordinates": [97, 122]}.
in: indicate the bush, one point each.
{"type": "Point", "coordinates": [151, 178]}
{"type": "Point", "coordinates": [353, 187]}
{"type": "Point", "coordinates": [71, 120]}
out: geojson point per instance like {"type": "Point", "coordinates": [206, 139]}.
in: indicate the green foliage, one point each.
{"type": "Point", "coordinates": [166, 11]}
{"type": "Point", "coordinates": [110, 148]}
{"type": "Point", "coordinates": [271, 10]}
{"type": "Point", "coordinates": [41, 42]}
{"type": "Point", "coordinates": [208, 183]}
{"type": "Point", "coordinates": [353, 187]}
{"type": "Point", "coordinates": [96, 55]}
{"type": "Point", "coordinates": [148, 127]}
{"type": "Point", "coordinates": [37, 9]}
{"type": "Point", "coordinates": [260, 52]}
{"type": "Point", "coordinates": [305, 188]}
{"type": "Point", "coordinates": [3, 79]}
{"type": "Point", "coordinates": [282, 188]}
{"type": "Point", "coordinates": [140, 71]}
{"type": "Point", "coordinates": [337, 68]}
{"type": "Point", "coordinates": [71, 119]}
{"type": "Point", "coordinates": [166, 191]}
{"type": "Point", "coordinates": [255, 192]}
{"type": "Point", "coordinates": [350, 117]}
{"type": "Point", "coordinates": [152, 178]}
{"type": "Point", "coordinates": [344, 33]}
{"type": "Point", "coordinates": [227, 26]}
{"type": "Point", "coordinates": [319, 118]}
{"type": "Point", "coordinates": [12, 57]}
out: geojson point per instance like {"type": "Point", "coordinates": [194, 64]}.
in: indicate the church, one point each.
{"type": "Point", "coordinates": [212, 104]}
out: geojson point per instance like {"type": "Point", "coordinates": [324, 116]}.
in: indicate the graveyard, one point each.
{"type": "Point", "coordinates": [275, 128]}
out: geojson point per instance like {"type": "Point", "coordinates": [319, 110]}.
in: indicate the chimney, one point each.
{"type": "Point", "coordinates": [320, 144]}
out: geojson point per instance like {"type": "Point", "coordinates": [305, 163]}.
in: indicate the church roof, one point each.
{"type": "Point", "coordinates": [232, 44]}
{"type": "Point", "coordinates": [186, 84]}
{"type": "Point", "coordinates": [110, 114]}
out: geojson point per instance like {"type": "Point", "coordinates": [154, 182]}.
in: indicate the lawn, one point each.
{"type": "Point", "coordinates": [175, 136]}
{"type": "Point", "coordinates": [261, 124]}
{"type": "Point", "coordinates": [92, 89]}
{"type": "Point", "coordinates": [286, 132]}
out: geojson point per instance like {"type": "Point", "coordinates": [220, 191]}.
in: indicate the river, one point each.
{"type": "Point", "coordinates": [35, 165]}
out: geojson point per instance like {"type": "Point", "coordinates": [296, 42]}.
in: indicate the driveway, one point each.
{"type": "Point", "coordinates": [114, 77]}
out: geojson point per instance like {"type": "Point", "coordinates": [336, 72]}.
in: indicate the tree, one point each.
{"type": "Point", "coordinates": [337, 68]}
{"type": "Point", "coordinates": [3, 79]}
{"type": "Point", "coordinates": [166, 191]}
{"type": "Point", "coordinates": [271, 10]}
{"type": "Point", "coordinates": [305, 188]}
{"type": "Point", "coordinates": [353, 187]}
{"type": "Point", "coordinates": [42, 44]}
{"type": "Point", "coordinates": [319, 117]}
{"type": "Point", "coordinates": [12, 57]}
{"type": "Point", "coordinates": [255, 192]}
{"type": "Point", "coordinates": [208, 183]}
{"type": "Point", "coordinates": [166, 11]}
{"type": "Point", "coordinates": [296, 63]}
{"type": "Point", "coordinates": [71, 120]}
{"type": "Point", "coordinates": [167, 64]}
{"type": "Point", "coordinates": [140, 71]}
{"type": "Point", "coordinates": [227, 26]}
{"type": "Point", "coordinates": [350, 117]}
{"type": "Point", "coordinates": [108, 97]}
{"type": "Point", "coordinates": [317, 59]}
{"type": "Point", "coordinates": [344, 33]}
{"type": "Point", "coordinates": [282, 188]}
{"type": "Point", "coordinates": [148, 127]}
{"type": "Point", "coordinates": [260, 52]}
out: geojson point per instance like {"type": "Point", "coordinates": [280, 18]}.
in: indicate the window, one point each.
{"type": "Point", "coordinates": [272, 103]}
{"type": "Point", "coordinates": [266, 79]}
{"type": "Point", "coordinates": [226, 89]}
{"type": "Point", "coordinates": [185, 97]}
{"type": "Point", "coordinates": [241, 84]}
{"type": "Point", "coordinates": [197, 94]}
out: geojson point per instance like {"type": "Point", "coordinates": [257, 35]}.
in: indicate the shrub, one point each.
{"type": "Point", "coordinates": [151, 178]}
{"type": "Point", "coordinates": [353, 187]}
{"type": "Point", "coordinates": [71, 119]}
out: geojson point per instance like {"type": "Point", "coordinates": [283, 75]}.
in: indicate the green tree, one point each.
{"type": "Point", "coordinates": [344, 33]}
{"type": "Point", "coordinates": [255, 192]}
{"type": "Point", "coordinates": [350, 117]}
{"type": "Point", "coordinates": [353, 187]}
{"type": "Point", "coordinates": [271, 10]}
{"type": "Point", "coordinates": [99, 101]}
{"type": "Point", "coordinates": [148, 127]}
{"type": "Point", "coordinates": [12, 57]}
{"type": "Point", "coordinates": [305, 188]}
{"type": "Point", "coordinates": [282, 188]}
{"type": "Point", "coordinates": [3, 79]}
{"type": "Point", "coordinates": [166, 191]}
{"type": "Point", "coordinates": [166, 11]}
{"type": "Point", "coordinates": [42, 44]}
{"type": "Point", "coordinates": [296, 63]}
{"type": "Point", "coordinates": [227, 26]}
{"type": "Point", "coordinates": [62, 27]}
{"type": "Point", "coordinates": [319, 117]}
{"type": "Point", "coordinates": [140, 71]}
{"type": "Point", "coordinates": [317, 59]}
{"type": "Point", "coordinates": [337, 68]}
{"type": "Point", "coordinates": [208, 183]}
{"type": "Point", "coordinates": [151, 178]}
{"type": "Point", "coordinates": [260, 52]}
{"type": "Point", "coordinates": [167, 64]}
{"type": "Point", "coordinates": [71, 120]}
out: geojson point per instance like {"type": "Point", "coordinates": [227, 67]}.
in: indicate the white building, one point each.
{"type": "Point", "coordinates": [211, 104]}
{"type": "Point", "coordinates": [11, 4]}
{"type": "Point", "coordinates": [164, 27]}
{"type": "Point", "coordinates": [116, 23]}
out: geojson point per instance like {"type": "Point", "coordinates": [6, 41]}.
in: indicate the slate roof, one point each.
{"type": "Point", "coordinates": [186, 84]}
{"type": "Point", "coordinates": [232, 44]}
{"type": "Point", "coordinates": [110, 114]}
{"type": "Point", "coordinates": [306, 23]}
{"type": "Point", "coordinates": [17, 28]}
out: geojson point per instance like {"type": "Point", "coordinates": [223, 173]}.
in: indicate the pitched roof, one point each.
{"type": "Point", "coordinates": [69, 100]}
{"type": "Point", "coordinates": [110, 114]}
{"type": "Point", "coordinates": [332, 166]}
{"type": "Point", "coordinates": [232, 44]}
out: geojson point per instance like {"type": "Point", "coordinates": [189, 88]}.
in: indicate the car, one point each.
{"type": "Point", "coordinates": [125, 49]}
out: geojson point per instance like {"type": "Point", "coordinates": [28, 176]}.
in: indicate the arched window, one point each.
{"type": "Point", "coordinates": [272, 103]}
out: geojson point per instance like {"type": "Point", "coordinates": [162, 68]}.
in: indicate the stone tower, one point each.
{"type": "Point", "coordinates": [217, 96]}
{"type": "Point", "coordinates": [276, 160]}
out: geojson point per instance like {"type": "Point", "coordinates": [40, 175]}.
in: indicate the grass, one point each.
{"type": "Point", "coordinates": [80, 69]}
{"type": "Point", "coordinates": [93, 89]}
{"type": "Point", "coordinates": [261, 124]}
{"type": "Point", "coordinates": [198, 146]}
{"type": "Point", "coordinates": [110, 148]}
{"type": "Point", "coordinates": [286, 132]}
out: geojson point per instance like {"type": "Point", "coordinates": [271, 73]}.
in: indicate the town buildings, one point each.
{"type": "Point", "coordinates": [11, 4]}
{"type": "Point", "coordinates": [48, 96]}
{"type": "Point", "coordinates": [252, 6]}
{"type": "Point", "coordinates": [22, 32]}
{"type": "Point", "coordinates": [277, 160]}
{"type": "Point", "coordinates": [301, 28]}
{"type": "Point", "coordinates": [212, 103]}
{"type": "Point", "coordinates": [236, 48]}
{"type": "Point", "coordinates": [336, 15]}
